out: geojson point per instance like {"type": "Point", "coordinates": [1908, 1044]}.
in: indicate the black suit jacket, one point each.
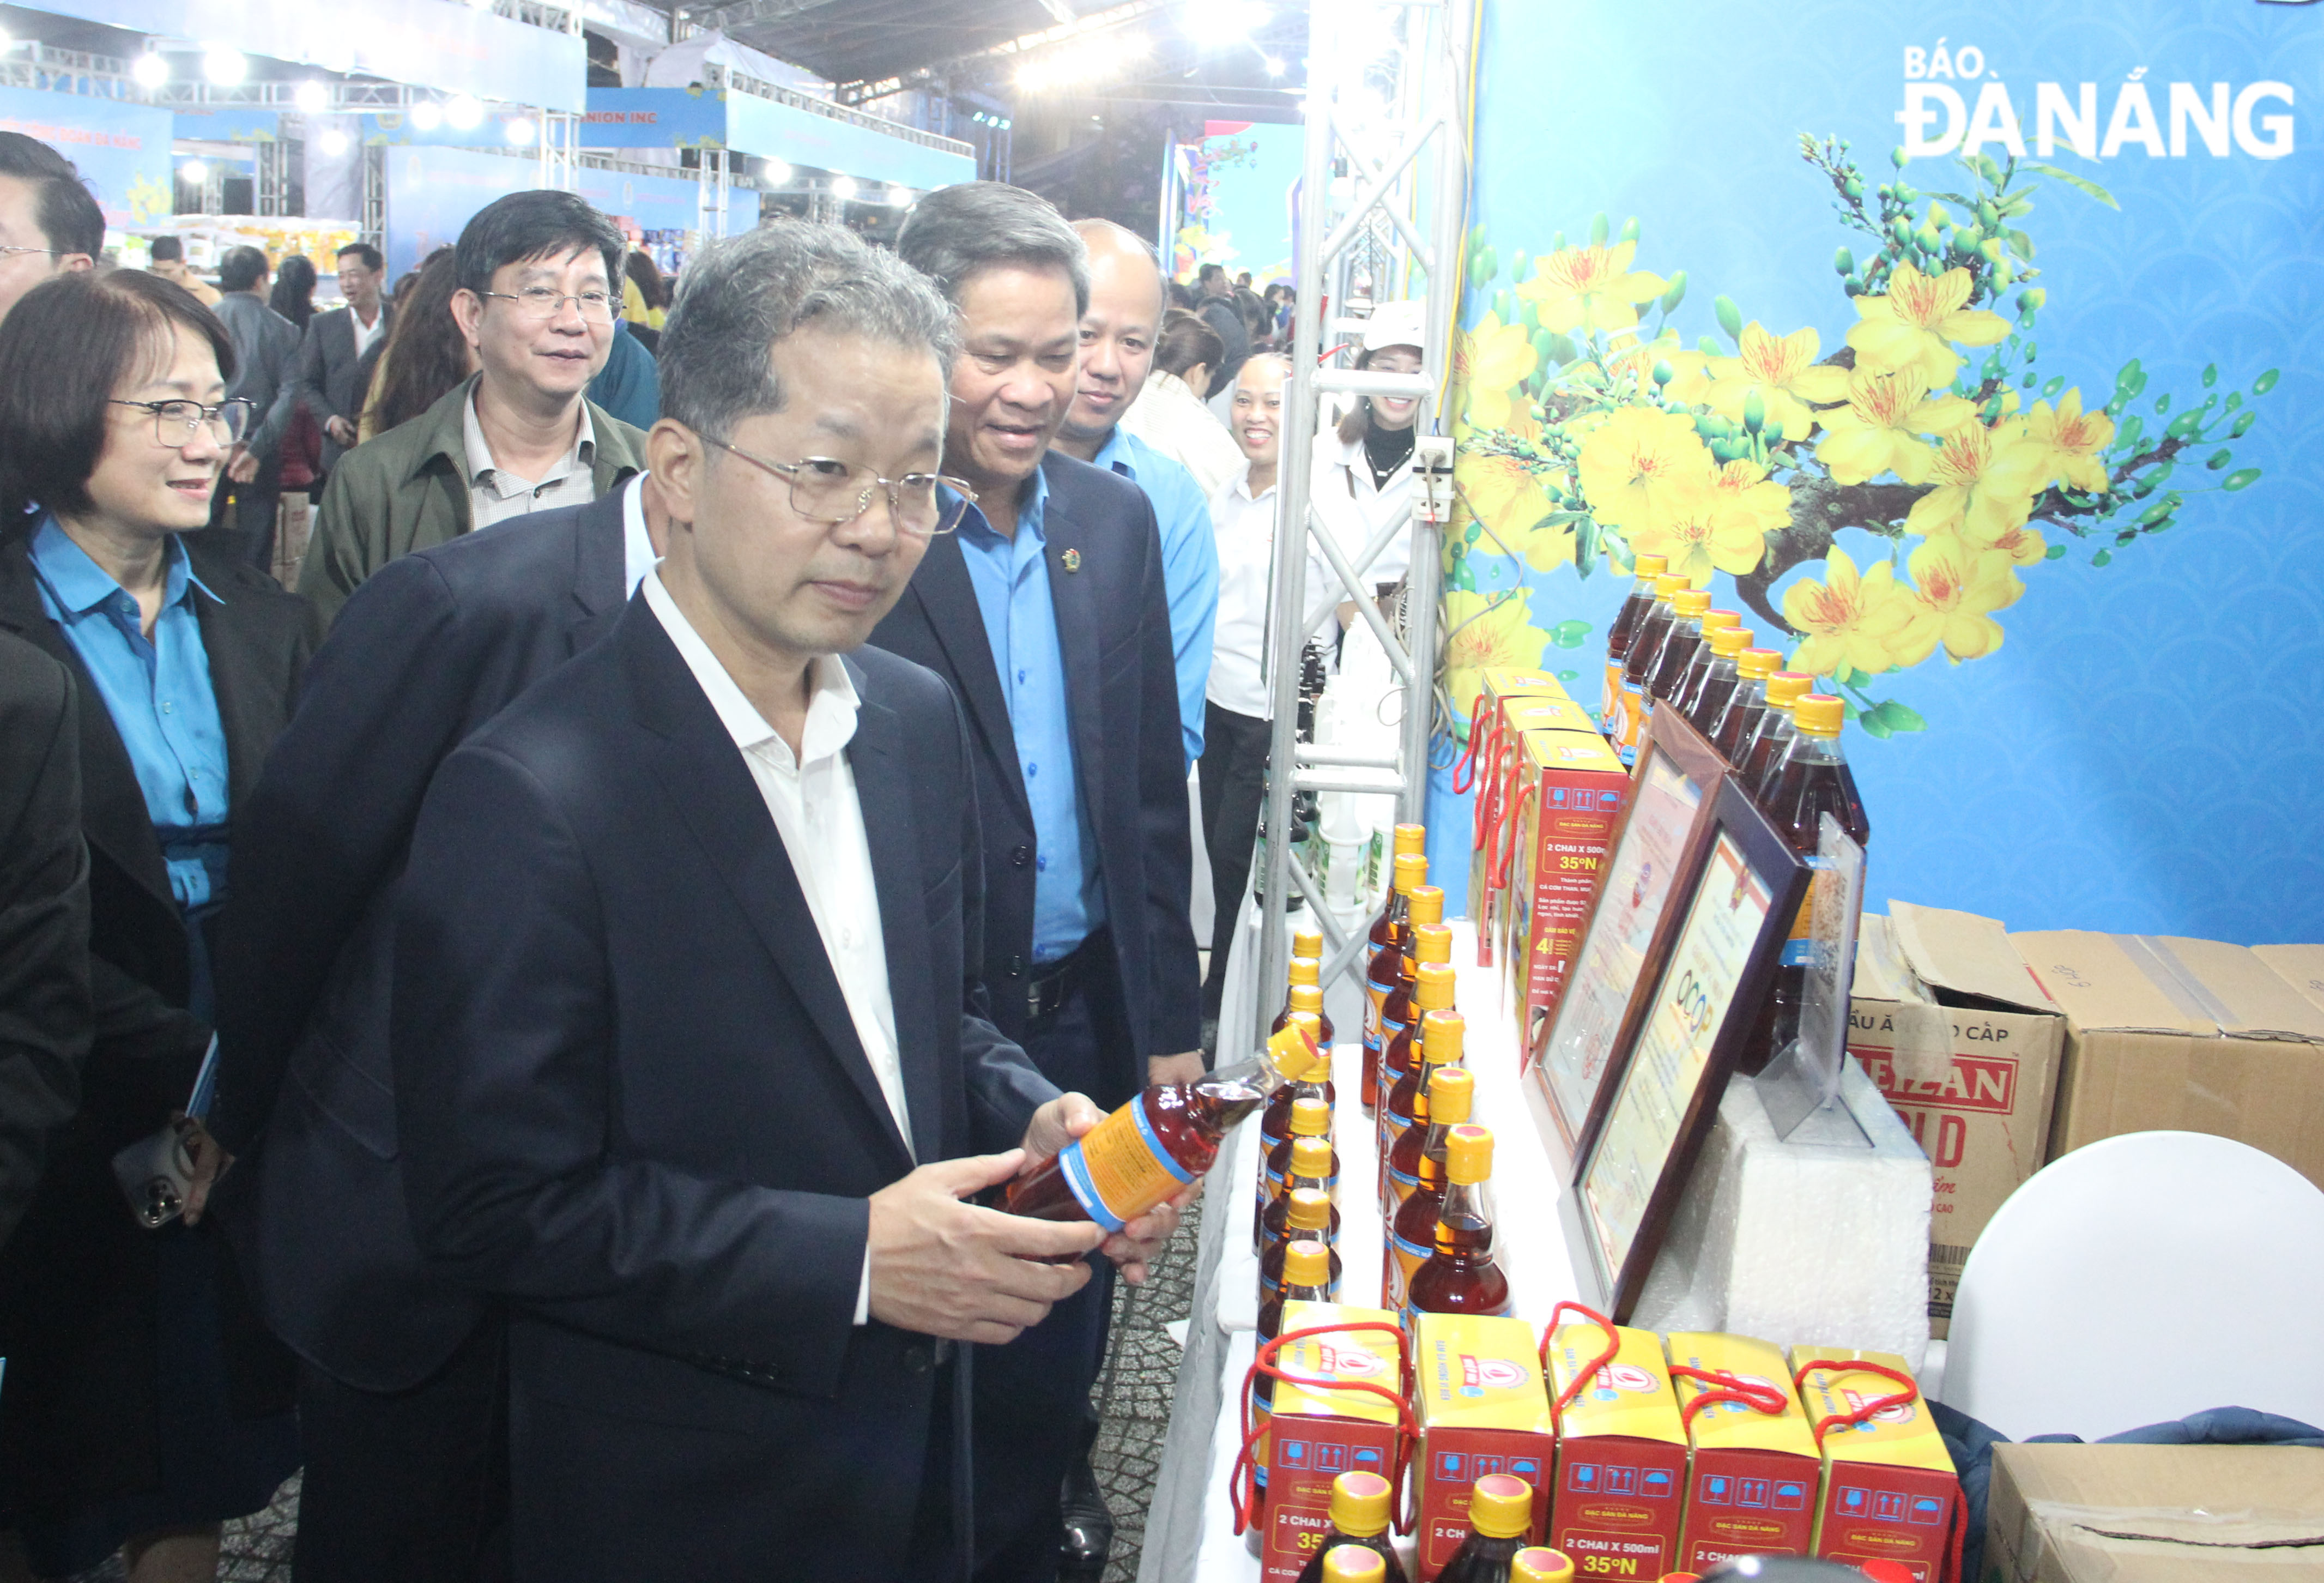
{"type": "Point", "coordinates": [633, 1103]}
{"type": "Point", "coordinates": [427, 651]}
{"type": "Point", "coordinates": [331, 375]}
{"type": "Point", "coordinates": [1113, 626]}
{"type": "Point", "coordinates": [77, 1285]}
{"type": "Point", "coordinates": [44, 1007]}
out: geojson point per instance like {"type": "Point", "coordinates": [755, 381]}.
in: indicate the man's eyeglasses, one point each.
{"type": "Point", "coordinates": [541, 302]}
{"type": "Point", "coordinates": [175, 423]}
{"type": "Point", "coordinates": [831, 492]}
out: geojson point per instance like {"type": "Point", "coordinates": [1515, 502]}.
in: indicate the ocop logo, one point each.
{"type": "Point", "coordinates": [1338, 1361]}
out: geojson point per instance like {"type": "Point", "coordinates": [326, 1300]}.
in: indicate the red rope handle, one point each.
{"type": "Point", "coordinates": [1725, 1387]}
{"type": "Point", "coordinates": [1242, 1485]}
{"type": "Point", "coordinates": [1509, 848]}
{"type": "Point", "coordinates": [1466, 765]}
{"type": "Point", "coordinates": [1905, 1398]}
{"type": "Point", "coordinates": [1574, 1386]}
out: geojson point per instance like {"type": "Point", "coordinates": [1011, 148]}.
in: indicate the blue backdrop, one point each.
{"type": "Point", "coordinates": [2111, 725]}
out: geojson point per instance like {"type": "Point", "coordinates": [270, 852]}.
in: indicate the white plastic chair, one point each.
{"type": "Point", "coordinates": [2143, 1278]}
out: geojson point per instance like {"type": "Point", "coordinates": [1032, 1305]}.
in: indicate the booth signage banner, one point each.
{"type": "Point", "coordinates": [122, 150]}
{"type": "Point", "coordinates": [1233, 190]}
{"type": "Point", "coordinates": [1972, 356]}
{"type": "Point", "coordinates": [432, 192]}
{"type": "Point", "coordinates": [699, 117]}
{"type": "Point", "coordinates": [438, 44]}
{"type": "Point", "coordinates": [655, 117]}
{"type": "Point", "coordinates": [226, 124]}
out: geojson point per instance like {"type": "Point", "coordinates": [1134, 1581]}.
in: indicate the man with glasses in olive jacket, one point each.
{"type": "Point", "coordinates": [536, 301]}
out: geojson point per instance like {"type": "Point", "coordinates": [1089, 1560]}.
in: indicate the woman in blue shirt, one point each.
{"type": "Point", "coordinates": [142, 1403]}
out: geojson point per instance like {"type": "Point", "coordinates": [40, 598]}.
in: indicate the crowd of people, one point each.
{"type": "Point", "coordinates": [517, 1024]}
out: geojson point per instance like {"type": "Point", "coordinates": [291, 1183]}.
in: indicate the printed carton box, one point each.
{"type": "Point", "coordinates": [1959, 1036]}
{"type": "Point", "coordinates": [1570, 791]}
{"type": "Point", "coordinates": [1621, 1457]}
{"type": "Point", "coordinates": [1477, 1389]}
{"type": "Point", "coordinates": [1316, 1432]}
{"type": "Point", "coordinates": [1889, 1489]}
{"type": "Point", "coordinates": [1755, 1477]}
{"type": "Point", "coordinates": [1508, 702]}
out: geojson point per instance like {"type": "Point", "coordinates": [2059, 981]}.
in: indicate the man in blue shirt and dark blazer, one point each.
{"type": "Point", "coordinates": [1047, 612]}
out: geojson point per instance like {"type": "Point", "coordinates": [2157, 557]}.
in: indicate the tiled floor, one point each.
{"type": "Point", "coordinates": [1134, 1399]}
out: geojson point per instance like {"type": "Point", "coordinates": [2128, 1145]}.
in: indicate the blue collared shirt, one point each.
{"type": "Point", "coordinates": [1190, 567]}
{"type": "Point", "coordinates": [1012, 579]}
{"type": "Point", "coordinates": [158, 691]}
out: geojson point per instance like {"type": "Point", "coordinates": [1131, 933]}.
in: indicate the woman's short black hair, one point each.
{"type": "Point", "coordinates": [72, 343]}
{"type": "Point", "coordinates": [543, 223]}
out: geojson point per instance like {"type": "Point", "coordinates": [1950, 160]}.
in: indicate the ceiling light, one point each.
{"type": "Point", "coordinates": [775, 170]}
{"type": "Point", "coordinates": [426, 116]}
{"type": "Point", "coordinates": [462, 113]}
{"type": "Point", "coordinates": [193, 172]}
{"type": "Point", "coordinates": [900, 197]}
{"type": "Point", "coordinates": [522, 132]}
{"type": "Point", "coordinates": [333, 144]}
{"type": "Point", "coordinates": [150, 69]}
{"type": "Point", "coordinates": [1005, 123]}
{"type": "Point", "coordinates": [313, 97]}
{"type": "Point", "coordinates": [225, 68]}
{"type": "Point", "coordinates": [1274, 67]}
{"type": "Point", "coordinates": [7, 40]}
{"type": "Point", "coordinates": [843, 187]}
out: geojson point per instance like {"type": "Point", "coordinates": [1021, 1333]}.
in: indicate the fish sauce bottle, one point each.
{"type": "Point", "coordinates": [1359, 1518]}
{"type": "Point", "coordinates": [1715, 682]}
{"type": "Point", "coordinates": [1714, 622]}
{"type": "Point", "coordinates": [1399, 1069]}
{"type": "Point", "coordinates": [1646, 648]}
{"type": "Point", "coordinates": [1814, 781]}
{"type": "Point", "coordinates": [1305, 1158]}
{"type": "Point", "coordinates": [1426, 940]}
{"type": "Point", "coordinates": [1354, 1563]}
{"type": "Point", "coordinates": [1459, 1276]}
{"type": "Point", "coordinates": [1620, 636]}
{"type": "Point", "coordinates": [1153, 1146]}
{"type": "Point", "coordinates": [1313, 1079]}
{"type": "Point", "coordinates": [1307, 1215]}
{"type": "Point", "coordinates": [1756, 769]}
{"type": "Point", "coordinates": [1537, 1563]}
{"type": "Point", "coordinates": [1306, 1278]}
{"type": "Point", "coordinates": [1388, 948]}
{"type": "Point", "coordinates": [1412, 1233]}
{"type": "Point", "coordinates": [1309, 1116]}
{"type": "Point", "coordinates": [1730, 733]}
{"type": "Point", "coordinates": [1688, 607]}
{"type": "Point", "coordinates": [1500, 1510]}
{"type": "Point", "coordinates": [1306, 973]}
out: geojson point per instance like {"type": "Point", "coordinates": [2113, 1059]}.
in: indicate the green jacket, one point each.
{"type": "Point", "coordinates": [408, 489]}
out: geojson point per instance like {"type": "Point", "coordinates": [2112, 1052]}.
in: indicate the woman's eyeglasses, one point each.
{"type": "Point", "coordinates": [176, 423]}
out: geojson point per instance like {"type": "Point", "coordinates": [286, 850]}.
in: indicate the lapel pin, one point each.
{"type": "Point", "coordinates": [1073, 559]}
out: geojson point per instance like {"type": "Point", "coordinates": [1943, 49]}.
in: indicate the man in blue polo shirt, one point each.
{"type": "Point", "coordinates": [1126, 304]}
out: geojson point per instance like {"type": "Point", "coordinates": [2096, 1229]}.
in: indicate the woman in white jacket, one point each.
{"type": "Point", "coordinates": [1361, 487]}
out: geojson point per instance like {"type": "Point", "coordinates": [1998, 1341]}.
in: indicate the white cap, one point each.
{"type": "Point", "coordinates": [1397, 324]}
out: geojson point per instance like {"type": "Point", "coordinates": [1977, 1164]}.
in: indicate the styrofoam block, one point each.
{"type": "Point", "coordinates": [1792, 1241]}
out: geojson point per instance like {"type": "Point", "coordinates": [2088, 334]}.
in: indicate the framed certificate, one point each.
{"type": "Point", "coordinates": [1663, 1090]}
{"type": "Point", "coordinates": [1664, 830]}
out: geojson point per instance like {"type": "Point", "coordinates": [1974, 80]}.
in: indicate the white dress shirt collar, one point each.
{"type": "Point", "coordinates": [638, 557]}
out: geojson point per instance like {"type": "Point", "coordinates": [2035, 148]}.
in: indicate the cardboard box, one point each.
{"type": "Point", "coordinates": [1752, 1484]}
{"type": "Point", "coordinates": [1621, 1457]}
{"type": "Point", "coordinates": [1317, 1433]}
{"type": "Point", "coordinates": [1972, 1074]}
{"type": "Point", "coordinates": [1507, 703]}
{"type": "Point", "coordinates": [1477, 1391]}
{"type": "Point", "coordinates": [1890, 1492]}
{"type": "Point", "coordinates": [2153, 1515]}
{"type": "Point", "coordinates": [2300, 967]}
{"type": "Point", "coordinates": [2170, 1034]}
{"type": "Point", "coordinates": [1570, 791]}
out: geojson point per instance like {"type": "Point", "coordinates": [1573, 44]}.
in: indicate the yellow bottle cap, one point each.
{"type": "Point", "coordinates": [1352, 1563]}
{"type": "Point", "coordinates": [1500, 1506]}
{"type": "Point", "coordinates": [1719, 620]}
{"type": "Point", "coordinates": [1427, 905]}
{"type": "Point", "coordinates": [1433, 986]}
{"type": "Point", "coordinates": [1689, 604]}
{"type": "Point", "coordinates": [1819, 714]}
{"type": "Point", "coordinates": [1728, 640]}
{"type": "Point", "coordinates": [1787, 687]}
{"type": "Point", "coordinates": [1307, 997]}
{"type": "Point", "coordinates": [1450, 1091]}
{"type": "Point", "coordinates": [1310, 1119]}
{"type": "Point", "coordinates": [1310, 1022]}
{"type": "Point", "coordinates": [1468, 1154]}
{"type": "Point", "coordinates": [1441, 1034]}
{"type": "Point", "coordinates": [1306, 969]}
{"type": "Point", "coordinates": [1359, 1504]}
{"type": "Point", "coordinates": [1410, 838]}
{"type": "Point", "coordinates": [1289, 1050]}
{"type": "Point", "coordinates": [1431, 942]}
{"type": "Point", "coordinates": [1311, 1155]}
{"type": "Point", "coordinates": [1307, 942]}
{"type": "Point", "coordinates": [1754, 664]}
{"type": "Point", "coordinates": [1670, 582]}
{"type": "Point", "coordinates": [1309, 1209]}
{"type": "Point", "coordinates": [1411, 869]}
{"type": "Point", "coordinates": [1539, 1564]}
{"type": "Point", "coordinates": [1306, 1262]}
{"type": "Point", "coordinates": [1649, 565]}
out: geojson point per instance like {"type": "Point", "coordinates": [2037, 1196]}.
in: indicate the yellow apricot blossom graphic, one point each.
{"type": "Point", "coordinates": [1956, 588]}
{"type": "Point", "coordinates": [1487, 631]}
{"type": "Point", "coordinates": [1488, 364]}
{"type": "Point", "coordinates": [1640, 465]}
{"type": "Point", "coordinates": [1591, 288]}
{"type": "Point", "coordinates": [2063, 446]}
{"type": "Point", "coordinates": [1911, 327]}
{"type": "Point", "coordinates": [1979, 492]}
{"type": "Point", "coordinates": [1848, 620]}
{"type": "Point", "coordinates": [1783, 370]}
{"type": "Point", "coordinates": [1880, 428]}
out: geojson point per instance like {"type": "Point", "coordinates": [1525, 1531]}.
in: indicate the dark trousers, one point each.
{"type": "Point", "coordinates": [412, 1484]}
{"type": "Point", "coordinates": [254, 510]}
{"type": "Point", "coordinates": [1234, 787]}
{"type": "Point", "coordinates": [1032, 1396]}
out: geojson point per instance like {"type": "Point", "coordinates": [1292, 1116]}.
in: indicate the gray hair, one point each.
{"type": "Point", "coordinates": [955, 232]}
{"type": "Point", "coordinates": [759, 289]}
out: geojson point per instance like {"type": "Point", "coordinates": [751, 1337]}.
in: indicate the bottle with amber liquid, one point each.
{"type": "Point", "coordinates": [1153, 1146]}
{"type": "Point", "coordinates": [1397, 1059]}
{"type": "Point", "coordinates": [1646, 648]}
{"type": "Point", "coordinates": [1412, 1235]}
{"type": "Point", "coordinates": [1359, 1518]}
{"type": "Point", "coordinates": [1619, 638]}
{"type": "Point", "coordinates": [1432, 1001]}
{"type": "Point", "coordinates": [1714, 622]}
{"type": "Point", "coordinates": [1424, 930]}
{"type": "Point", "coordinates": [1764, 755]}
{"type": "Point", "coordinates": [1388, 948]}
{"type": "Point", "coordinates": [1312, 1082]}
{"type": "Point", "coordinates": [1537, 1563]}
{"type": "Point", "coordinates": [1318, 1164]}
{"type": "Point", "coordinates": [1730, 732]}
{"type": "Point", "coordinates": [1306, 1278]}
{"type": "Point", "coordinates": [1688, 607]}
{"type": "Point", "coordinates": [1500, 1511]}
{"type": "Point", "coordinates": [1814, 781]}
{"type": "Point", "coordinates": [1441, 1033]}
{"type": "Point", "coordinates": [1304, 1214]}
{"type": "Point", "coordinates": [1458, 1276]}
{"type": "Point", "coordinates": [1714, 682]}
{"type": "Point", "coordinates": [1306, 973]}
